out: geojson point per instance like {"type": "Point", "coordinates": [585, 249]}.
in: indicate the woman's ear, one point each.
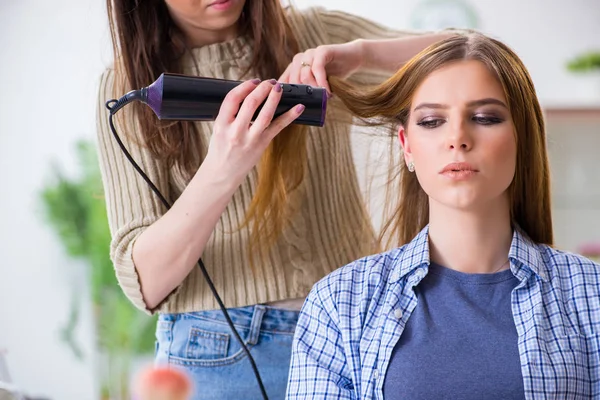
{"type": "Point", "coordinates": [405, 145]}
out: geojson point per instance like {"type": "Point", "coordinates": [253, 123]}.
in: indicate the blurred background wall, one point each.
{"type": "Point", "coordinates": [52, 55]}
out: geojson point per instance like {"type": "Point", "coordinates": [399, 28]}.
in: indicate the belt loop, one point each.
{"type": "Point", "coordinates": [257, 316]}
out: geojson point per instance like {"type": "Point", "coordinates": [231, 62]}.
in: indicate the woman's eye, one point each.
{"type": "Point", "coordinates": [486, 120]}
{"type": "Point", "coordinates": [430, 123]}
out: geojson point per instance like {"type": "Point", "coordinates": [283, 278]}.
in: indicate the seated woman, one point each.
{"type": "Point", "coordinates": [475, 303]}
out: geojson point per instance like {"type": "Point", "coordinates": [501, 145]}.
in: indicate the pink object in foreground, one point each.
{"type": "Point", "coordinates": [163, 383]}
{"type": "Point", "coordinates": [591, 249]}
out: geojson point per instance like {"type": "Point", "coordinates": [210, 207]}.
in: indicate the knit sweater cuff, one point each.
{"type": "Point", "coordinates": [127, 276]}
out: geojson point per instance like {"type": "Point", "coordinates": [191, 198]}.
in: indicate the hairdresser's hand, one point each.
{"type": "Point", "coordinates": [237, 144]}
{"type": "Point", "coordinates": [313, 66]}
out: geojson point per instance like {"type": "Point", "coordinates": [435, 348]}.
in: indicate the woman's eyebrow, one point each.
{"type": "Point", "coordinates": [481, 102]}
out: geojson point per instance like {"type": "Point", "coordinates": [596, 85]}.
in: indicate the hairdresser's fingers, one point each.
{"type": "Point", "coordinates": [319, 72]}
{"type": "Point", "coordinates": [267, 112]}
{"type": "Point", "coordinates": [297, 65]}
{"type": "Point", "coordinates": [282, 121]}
{"type": "Point", "coordinates": [233, 99]}
{"type": "Point", "coordinates": [252, 102]}
{"type": "Point", "coordinates": [305, 66]}
{"type": "Point", "coordinates": [307, 76]}
{"type": "Point", "coordinates": [285, 77]}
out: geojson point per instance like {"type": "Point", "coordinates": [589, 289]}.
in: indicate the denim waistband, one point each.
{"type": "Point", "coordinates": [273, 319]}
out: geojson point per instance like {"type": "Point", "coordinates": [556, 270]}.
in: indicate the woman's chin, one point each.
{"type": "Point", "coordinates": [470, 203]}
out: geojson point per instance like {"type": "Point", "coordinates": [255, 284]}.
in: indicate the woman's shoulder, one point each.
{"type": "Point", "coordinates": [111, 81]}
{"type": "Point", "coordinates": [573, 283]}
{"type": "Point", "coordinates": [363, 276]}
{"type": "Point", "coordinates": [106, 82]}
{"type": "Point", "coordinates": [552, 264]}
{"type": "Point", "coordinates": [562, 261]}
{"type": "Point", "coordinates": [307, 25]}
{"type": "Point", "coordinates": [375, 271]}
{"type": "Point", "coordinates": [324, 17]}
{"type": "Point", "coordinates": [318, 25]}
{"type": "Point", "coordinates": [572, 273]}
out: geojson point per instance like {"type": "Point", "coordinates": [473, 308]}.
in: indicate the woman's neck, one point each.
{"type": "Point", "coordinates": [470, 241]}
{"type": "Point", "coordinates": [197, 37]}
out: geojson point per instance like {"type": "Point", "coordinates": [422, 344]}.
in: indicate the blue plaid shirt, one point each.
{"type": "Point", "coordinates": [353, 318]}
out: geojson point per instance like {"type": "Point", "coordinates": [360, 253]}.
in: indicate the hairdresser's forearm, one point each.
{"type": "Point", "coordinates": [166, 252]}
{"type": "Point", "coordinates": [390, 54]}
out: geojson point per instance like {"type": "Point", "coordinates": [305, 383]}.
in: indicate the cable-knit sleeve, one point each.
{"type": "Point", "coordinates": [131, 205]}
{"type": "Point", "coordinates": [342, 27]}
{"type": "Point", "coordinates": [337, 27]}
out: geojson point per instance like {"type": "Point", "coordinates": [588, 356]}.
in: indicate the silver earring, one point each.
{"type": "Point", "coordinates": [411, 166]}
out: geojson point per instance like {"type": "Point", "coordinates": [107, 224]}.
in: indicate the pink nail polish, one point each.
{"type": "Point", "coordinates": [300, 108]}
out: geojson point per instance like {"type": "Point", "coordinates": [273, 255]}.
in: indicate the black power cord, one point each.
{"type": "Point", "coordinates": [114, 106]}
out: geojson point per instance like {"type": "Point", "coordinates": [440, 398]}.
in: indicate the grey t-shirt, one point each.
{"type": "Point", "coordinates": [460, 341]}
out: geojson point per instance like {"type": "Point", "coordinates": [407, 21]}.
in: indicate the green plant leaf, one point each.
{"type": "Point", "coordinates": [75, 209]}
{"type": "Point", "coordinates": [585, 62]}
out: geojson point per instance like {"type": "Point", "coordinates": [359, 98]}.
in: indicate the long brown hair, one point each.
{"type": "Point", "coordinates": [390, 102]}
{"type": "Point", "coordinates": [147, 42]}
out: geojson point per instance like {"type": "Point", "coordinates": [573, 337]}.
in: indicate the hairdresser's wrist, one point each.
{"type": "Point", "coordinates": [361, 53]}
{"type": "Point", "coordinates": [374, 54]}
{"type": "Point", "coordinates": [390, 54]}
{"type": "Point", "coordinates": [218, 176]}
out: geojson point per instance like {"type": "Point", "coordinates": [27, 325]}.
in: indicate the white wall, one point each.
{"type": "Point", "coordinates": [573, 147]}
{"type": "Point", "coordinates": [53, 53]}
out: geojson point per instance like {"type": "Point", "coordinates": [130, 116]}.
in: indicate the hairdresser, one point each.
{"type": "Point", "coordinates": [270, 206]}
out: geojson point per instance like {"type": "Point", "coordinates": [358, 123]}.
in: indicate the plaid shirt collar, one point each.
{"type": "Point", "coordinates": [524, 255]}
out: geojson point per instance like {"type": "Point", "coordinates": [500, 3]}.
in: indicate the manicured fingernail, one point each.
{"type": "Point", "coordinates": [255, 81]}
{"type": "Point", "coordinates": [300, 108]}
{"type": "Point", "coordinates": [277, 87]}
{"type": "Point", "coordinates": [329, 95]}
{"type": "Point", "coordinates": [272, 81]}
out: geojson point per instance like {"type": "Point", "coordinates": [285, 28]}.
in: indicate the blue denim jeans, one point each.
{"type": "Point", "coordinates": [201, 343]}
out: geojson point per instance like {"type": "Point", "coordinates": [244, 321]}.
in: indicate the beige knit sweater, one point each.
{"type": "Point", "coordinates": [331, 228]}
